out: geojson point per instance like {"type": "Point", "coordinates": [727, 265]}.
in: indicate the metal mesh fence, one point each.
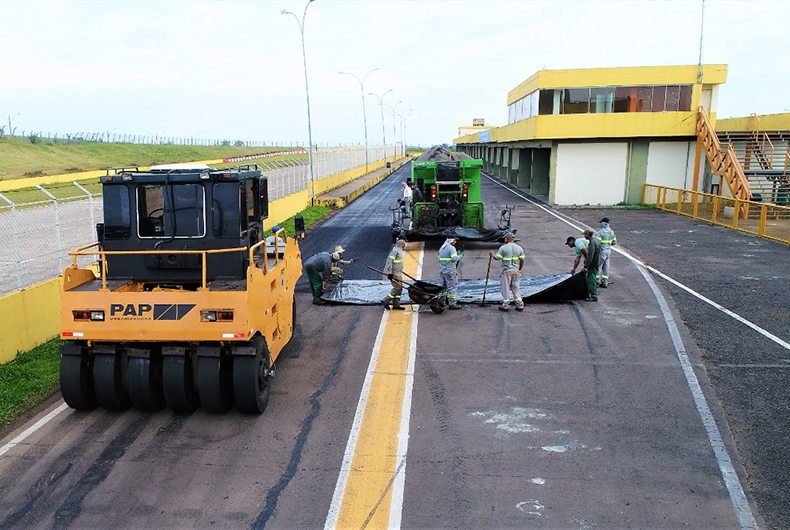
{"type": "Point", "coordinates": [39, 227]}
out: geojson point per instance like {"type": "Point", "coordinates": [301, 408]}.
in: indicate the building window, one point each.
{"type": "Point", "coordinates": [546, 102]}
{"type": "Point", "coordinates": [684, 104]}
{"type": "Point", "coordinates": [575, 101]}
{"type": "Point", "coordinates": [601, 100]}
{"type": "Point", "coordinates": [659, 96]}
{"type": "Point", "coordinates": [624, 99]}
{"type": "Point", "coordinates": [673, 98]}
{"type": "Point", "coordinates": [644, 98]}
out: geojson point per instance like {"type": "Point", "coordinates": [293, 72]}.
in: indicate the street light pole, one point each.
{"type": "Point", "coordinates": [381, 104]}
{"type": "Point", "coordinates": [364, 112]}
{"type": "Point", "coordinates": [394, 134]}
{"type": "Point", "coordinates": [307, 93]}
{"type": "Point", "coordinates": [403, 128]}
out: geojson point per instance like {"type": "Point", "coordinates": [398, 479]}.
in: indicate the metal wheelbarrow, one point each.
{"type": "Point", "coordinates": [423, 293]}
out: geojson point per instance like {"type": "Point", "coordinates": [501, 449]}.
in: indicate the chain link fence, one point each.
{"type": "Point", "coordinates": [40, 226]}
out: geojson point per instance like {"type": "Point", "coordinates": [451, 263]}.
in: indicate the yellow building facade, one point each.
{"type": "Point", "coordinates": [594, 136]}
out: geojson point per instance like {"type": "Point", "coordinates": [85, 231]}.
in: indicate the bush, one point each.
{"type": "Point", "coordinates": [34, 138]}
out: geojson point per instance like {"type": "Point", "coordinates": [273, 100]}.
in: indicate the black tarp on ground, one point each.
{"type": "Point", "coordinates": [546, 288]}
{"type": "Point", "coordinates": [460, 232]}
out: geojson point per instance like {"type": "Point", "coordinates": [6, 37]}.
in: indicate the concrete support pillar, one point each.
{"type": "Point", "coordinates": [512, 174]}
{"type": "Point", "coordinates": [524, 172]}
{"type": "Point", "coordinates": [541, 169]}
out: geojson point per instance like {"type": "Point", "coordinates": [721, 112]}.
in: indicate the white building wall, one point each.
{"type": "Point", "coordinates": [593, 173]}
{"type": "Point", "coordinates": [668, 164]}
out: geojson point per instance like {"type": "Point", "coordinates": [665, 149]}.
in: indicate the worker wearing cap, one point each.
{"type": "Point", "coordinates": [512, 257]}
{"type": "Point", "coordinates": [579, 244]}
{"type": "Point", "coordinates": [319, 271]}
{"type": "Point", "coordinates": [448, 270]}
{"type": "Point", "coordinates": [394, 271]}
{"type": "Point", "coordinates": [608, 239]}
{"type": "Point", "coordinates": [337, 272]}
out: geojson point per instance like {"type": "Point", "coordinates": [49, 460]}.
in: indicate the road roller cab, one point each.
{"type": "Point", "coordinates": [178, 303]}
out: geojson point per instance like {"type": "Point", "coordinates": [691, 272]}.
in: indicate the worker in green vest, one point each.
{"type": "Point", "coordinates": [608, 239]}
{"type": "Point", "coordinates": [394, 271]}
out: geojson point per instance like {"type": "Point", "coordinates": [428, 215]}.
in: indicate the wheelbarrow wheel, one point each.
{"type": "Point", "coordinates": [437, 306]}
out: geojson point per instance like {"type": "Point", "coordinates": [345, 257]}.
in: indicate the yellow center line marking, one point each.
{"type": "Point", "coordinates": [374, 462]}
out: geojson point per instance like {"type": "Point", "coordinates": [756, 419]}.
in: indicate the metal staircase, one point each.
{"type": "Point", "coordinates": [764, 157]}
{"type": "Point", "coordinates": [723, 161]}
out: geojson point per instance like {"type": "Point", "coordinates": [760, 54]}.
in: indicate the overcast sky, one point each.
{"type": "Point", "coordinates": [233, 69]}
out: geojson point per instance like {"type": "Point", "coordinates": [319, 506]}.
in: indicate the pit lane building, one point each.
{"type": "Point", "coordinates": [595, 136]}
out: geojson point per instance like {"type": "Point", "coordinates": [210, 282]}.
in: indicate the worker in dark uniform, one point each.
{"type": "Point", "coordinates": [319, 271]}
{"type": "Point", "coordinates": [592, 260]}
{"type": "Point", "coordinates": [416, 194]}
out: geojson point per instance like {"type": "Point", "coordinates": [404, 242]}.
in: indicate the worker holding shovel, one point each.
{"type": "Point", "coordinates": [512, 257]}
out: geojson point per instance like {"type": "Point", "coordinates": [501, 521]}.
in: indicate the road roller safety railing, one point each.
{"type": "Point", "coordinates": [84, 251]}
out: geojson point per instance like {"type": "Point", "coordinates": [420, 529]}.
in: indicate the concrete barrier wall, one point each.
{"type": "Point", "coordinates": [28, 318]}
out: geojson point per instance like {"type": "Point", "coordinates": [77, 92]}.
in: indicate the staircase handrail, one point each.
{"type": "Point", "coordinates": [769, 159]}
{"type": "Point", "coordinates": [754, 123]}
{"type": "Point", "coordinates": [723, 162]}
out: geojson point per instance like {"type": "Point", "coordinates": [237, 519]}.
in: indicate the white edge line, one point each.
{"type": "Point", "coordinates": [351, 445]}
{"type": "Point", "coordinates": [735, 489]}
{"type": "Point", "coordinates": [32, 429]}
{"type": "Point", "coordinates": [399, 485]}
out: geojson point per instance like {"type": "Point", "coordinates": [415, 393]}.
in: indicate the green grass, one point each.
{"type": "Point", "coordinates": [29, 380]}
{"type": "Point", "coordinates": [311, 215]}
{"type": "Point", "coordinates": [638, 206]}
{"type": "Point", "coordinates": [22, 159]}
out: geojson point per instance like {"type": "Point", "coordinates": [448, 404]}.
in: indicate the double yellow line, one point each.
{"type": "Point", "coordinates": [369, 490]}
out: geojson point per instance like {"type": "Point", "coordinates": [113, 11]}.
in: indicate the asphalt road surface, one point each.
{"type": "Point", "coordinates": [567, 415]}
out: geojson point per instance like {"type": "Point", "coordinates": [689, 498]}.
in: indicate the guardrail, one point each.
{"type": "Point", "coordinates": [771, 221]}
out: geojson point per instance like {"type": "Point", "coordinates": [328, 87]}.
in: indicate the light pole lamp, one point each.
{"type": "Point", "coordinates": [381, 105]}
{"type": "Point", "coordinates": [307, 93]}
{"type": "Point", "coordinates": [364, 112]}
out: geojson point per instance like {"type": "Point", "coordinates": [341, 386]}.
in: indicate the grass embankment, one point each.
{"type": "Point", "coordinates": [19, 158]}
{"type": "Point", "coordinates": [34, 376]}
{"type": "Point", "coordinates": [29, 380]}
